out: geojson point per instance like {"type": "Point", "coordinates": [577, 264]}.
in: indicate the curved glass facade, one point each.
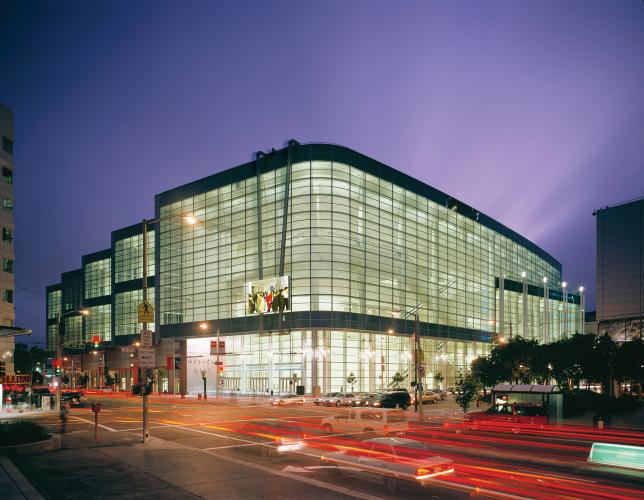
{"type": "Point", "coordinates": [359, 244]}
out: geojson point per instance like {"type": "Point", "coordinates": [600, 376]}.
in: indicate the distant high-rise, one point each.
{"type": "Point", "coordinates": [7, 255]}
{"type": "Point", "coordinates": [620, 270]}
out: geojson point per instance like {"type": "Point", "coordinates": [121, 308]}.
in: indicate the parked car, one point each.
{"type": "Point", "coordinates": [441, 393]}
{"type": "Point", "coordinates": [369, 421]}
{"type": "Point", "coordinates": [364, 399]}
{"type": "Point", "coordinates": [320, 399]}
{"type": "Point", "coordinates": [290, 399]}
{"type": "Point", "coordinates": [508, 414]}
{"type": "Point", "coordinates": [394, 399]}
{"type": "Point", "coordinates": [430, 397]}
{"type": "Point", "coordinates": [271, 437]}
{"type": "Point", "coordinates": [74, 398]}
{"type": "Point", "coordinates": [397, 460]}
{"type": "Point", "coordinates": [339, 399]}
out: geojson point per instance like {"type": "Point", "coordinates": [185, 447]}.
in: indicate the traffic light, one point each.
{"type": "Point", "coordinates": [3, 368]}
{"type": "Point", "coordinates": [96, 340]}
{"type": "Point", "coordinates": [220, 368]}
{"type": "Point", "coordinates": [57, 366]}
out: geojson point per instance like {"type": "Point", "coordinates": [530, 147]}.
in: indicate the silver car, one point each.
{"type": "Point", "coordinates": [340, 399]}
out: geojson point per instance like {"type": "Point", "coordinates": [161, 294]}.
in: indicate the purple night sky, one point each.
{"type": "Point", "coordinates": [532, 111]}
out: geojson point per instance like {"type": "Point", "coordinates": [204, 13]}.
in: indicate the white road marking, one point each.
{"type": "Point", "coordinates": [92, 423]}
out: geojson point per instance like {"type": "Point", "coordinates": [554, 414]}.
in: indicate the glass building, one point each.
{"type": "Point", "coordinates": [307, 263]}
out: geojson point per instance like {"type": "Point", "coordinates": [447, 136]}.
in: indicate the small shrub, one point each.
{"type": "Point", "coordinates": [21, 432]}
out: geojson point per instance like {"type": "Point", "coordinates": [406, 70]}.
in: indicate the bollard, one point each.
{"type": "Point", "coordinates": [600, 423]}
{"type": "Point", "coordinates": [199, 396]}
{"type": "Point", "coordinates": [96, 408]}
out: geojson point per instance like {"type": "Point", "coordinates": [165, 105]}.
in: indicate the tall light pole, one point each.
{"type": "Point", "coordinates": [60, 317]}
{"type": "Point", "coordinates": [582, 307]}
{"type": "Point", "coordinates": [565, 310]}
{"type": "Point", "coordinates": [502, 339]}
{"type": "Point", "coordinates": [189, 219]}
{"type": "Point", "coordinates": [417, 357]}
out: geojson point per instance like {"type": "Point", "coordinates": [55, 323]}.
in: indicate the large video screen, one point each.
{"type": "Point", "coordinates": [267, 296]}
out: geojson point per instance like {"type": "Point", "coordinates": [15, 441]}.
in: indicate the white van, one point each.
{"type": "Point", "coordinates": [367, 421]}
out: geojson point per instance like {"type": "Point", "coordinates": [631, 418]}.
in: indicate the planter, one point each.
{"type": "Point", "coordinates": [50, 444]}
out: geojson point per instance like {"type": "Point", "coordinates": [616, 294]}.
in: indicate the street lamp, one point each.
{"type": "Point", "coordinates": [190, 220]}
{"type": "Point", "coordinates": [60, 317]}
{"type": "Point", "coordinates": [509, 323]}
{"type": "Point", "coordinates": [417, 357]}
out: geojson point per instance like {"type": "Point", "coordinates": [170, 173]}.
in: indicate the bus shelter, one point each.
{"type": "Point", "coordinates": [548, 396]}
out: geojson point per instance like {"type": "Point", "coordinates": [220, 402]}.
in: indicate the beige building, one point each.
{"type": "Point", "coordinates": [7, 284]}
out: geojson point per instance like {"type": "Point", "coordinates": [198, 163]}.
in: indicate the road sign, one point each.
{"type": "Point", "coordinates": [217, 347]}
{"type": "Point", "coordinates": [219, 363]}
{"type": "Point", "coordinates": [128, 348]}
{"type": "Point", "coordinates": [146, 338]}
{"type": "Point", "coordinates": [147, 357]}
{"type": "Point", "coordinates": [421, 369]}
{"type": "Point", "coordinates": [145, 312]}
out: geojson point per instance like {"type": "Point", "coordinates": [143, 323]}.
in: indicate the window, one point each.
{"type": "Point", "coordinates": [7, 145]}
{"type": "Point", "coordinates": [7, 205]}
{"type": "Point", "coordinates": [7, 265]}
{"type": "Point", "coordinates": [8, 296]}
{"type": "Point", "coordinates": [7, 235]}
{"type": "Point", "coordinates": [7, 175]}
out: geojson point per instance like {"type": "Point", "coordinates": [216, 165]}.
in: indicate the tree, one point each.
{"type": "Point", "coordinates": [65, 379]}
{"type": "Point", "coordinates": [109, 380]}
{"type": "Point", "coordinates": [398, 379]}
{"type": "Point", "coordinates": [351, 379]}
{"type": "Point", "coordinates": [482, 372]}
{"type": "Point", "coordinates": [629, 363]}
{"type": "Point", "coordinates": [466, 391]}
{"type": "Point", "coordinates": [438, 378]}
{"type": "Point", "coordinates": [83, 379]}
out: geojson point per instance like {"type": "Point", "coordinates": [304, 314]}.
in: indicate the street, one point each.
{"type": "Point", "coordinates": [204, 449]}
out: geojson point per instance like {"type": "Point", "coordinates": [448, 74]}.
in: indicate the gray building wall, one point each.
{"type": "Point", "coordinates": [620, 269]}
{"type": "Point", "coordinates": [7, 285]}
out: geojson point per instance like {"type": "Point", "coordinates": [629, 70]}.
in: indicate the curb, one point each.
{"type": "Point", "coordinates": [51, 444]}
{"type": "Point", "coordinates": [21, 482]}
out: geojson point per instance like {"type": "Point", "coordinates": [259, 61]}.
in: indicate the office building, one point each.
{"type": "Point", "coordinates": [306, 263]}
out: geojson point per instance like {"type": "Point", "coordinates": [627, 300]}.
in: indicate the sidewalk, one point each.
{"type": "Point", "coordinates": [13, 484]}
{"type": "Point", "coordinates": [119, 466]}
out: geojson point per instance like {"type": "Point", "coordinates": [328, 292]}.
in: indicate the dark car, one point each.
{"type": "Point", "coordinates": [393, 399]}
{"type": "Point", "coordinates": [511, 415]}
{"type": "Point", "coordinates": [74, 398]}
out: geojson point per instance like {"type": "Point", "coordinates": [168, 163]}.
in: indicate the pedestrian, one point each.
{"type": "Point", "coordinates": [271, 392]}
{"type": "Point", "coordinates": [64, 415]}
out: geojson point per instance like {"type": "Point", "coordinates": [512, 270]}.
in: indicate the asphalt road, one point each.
{"type": "Point", "coordinates": [489, 463]}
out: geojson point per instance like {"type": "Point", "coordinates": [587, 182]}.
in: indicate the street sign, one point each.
{"type": "Point", "coordinates": [219, 363]}
{"type": "Point", "coordinates": [147, 357]}
{"type": "Point", "coordinates": [145, 312]}
{"type": "Point", "coordinates": [128, 348]}
{"type": "Point", "coordinates": [421, 369]}
{"type": "Point", "coordinates": [420, 355]}
{"type": "Point", "coordinates": [217, 347]}
{"type": "Point", "coordinates": [146, 338]}
{"type": "Point", "coordinates": [16, 379]}
{"type": "Point", "coordinates": [177, 362]}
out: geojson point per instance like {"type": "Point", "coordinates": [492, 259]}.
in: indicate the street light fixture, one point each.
{"type": "Point", "coordinates": [59, 347]}
{"type": "Point", "coordinates": [417, 357]}
{"type": "Point", "coordinates": [191, 220]}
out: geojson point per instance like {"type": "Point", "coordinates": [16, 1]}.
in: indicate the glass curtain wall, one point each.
{"type": "Point", "coordinates": [354, 243]}
{"type": "Point", "coordinates": [98, 278]}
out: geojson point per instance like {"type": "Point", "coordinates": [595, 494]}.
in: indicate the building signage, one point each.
{"type": "Point", "coordinates": [16, 379]}
{"type": "Point", "coordinates": [145, 312]}
{"type": "Point", "coordinates": [217, 347]}
{"type": "Point", "coordinates": [268, 296]}
{"type": "Point", "coordinates": [147, 357]}
{"type": "Point", "coordinates": [146, 338]}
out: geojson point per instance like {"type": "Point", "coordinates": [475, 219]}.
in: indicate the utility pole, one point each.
{"type": "Point", "coordinates": [146, 425]}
